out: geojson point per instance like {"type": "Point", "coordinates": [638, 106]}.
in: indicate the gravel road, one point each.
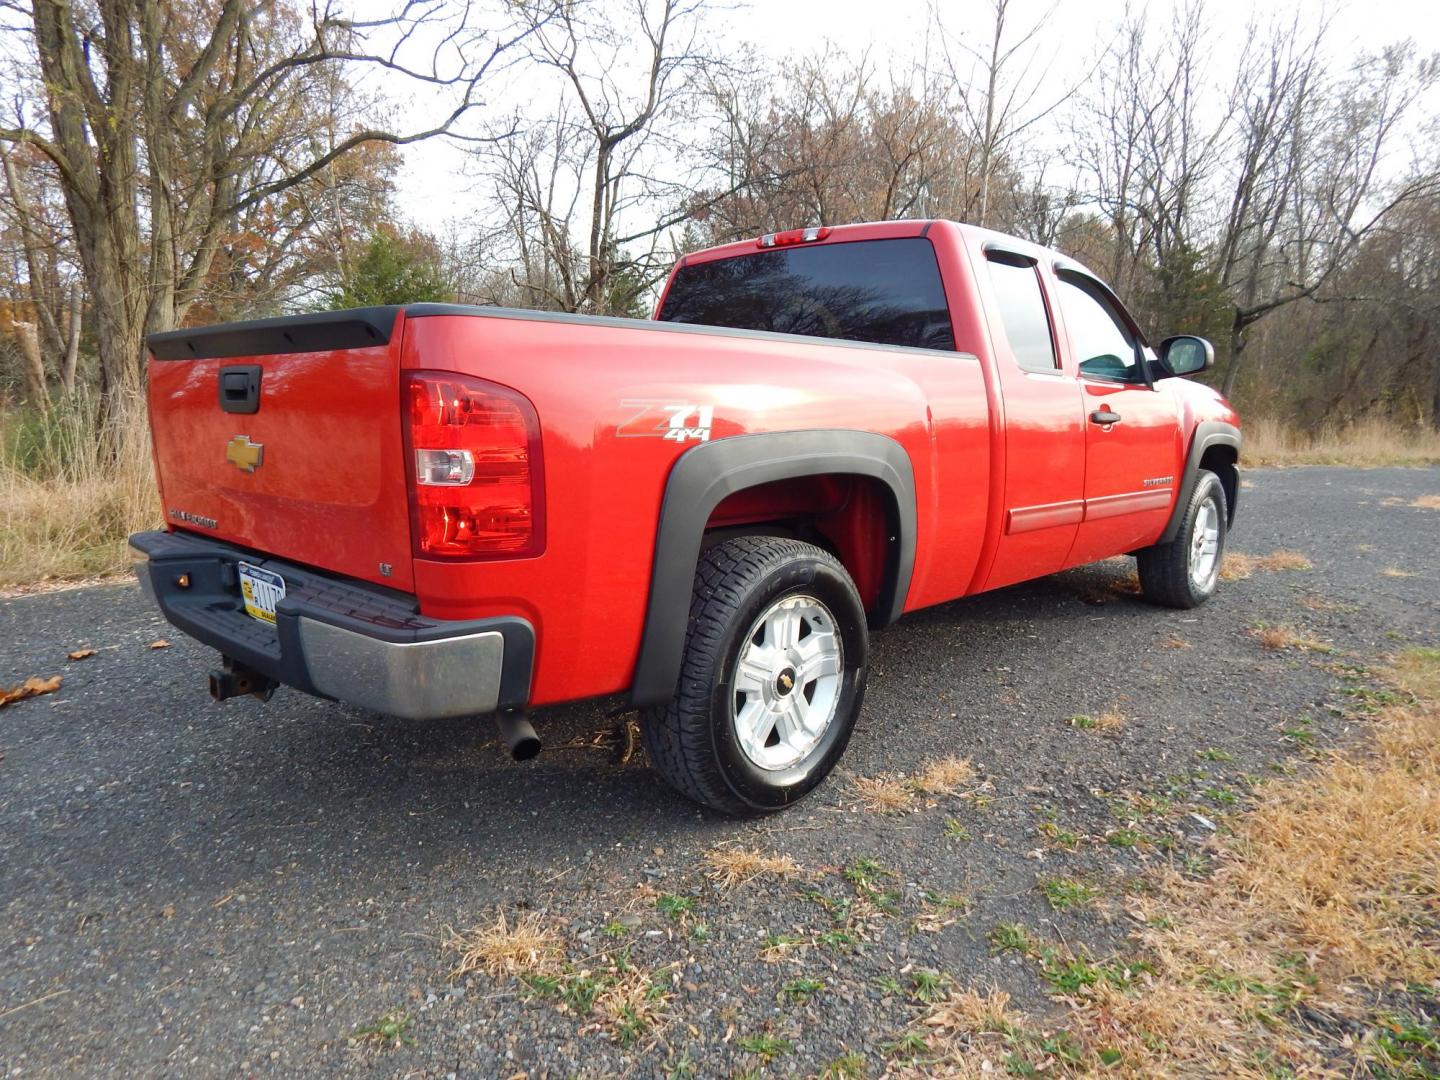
{"type": "Point", "coordinates": [192, 889]}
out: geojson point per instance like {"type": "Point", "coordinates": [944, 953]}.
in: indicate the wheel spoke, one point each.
{"type": "Point", "coordinates": [790, 722]}
{"type": "Point", "coordinates": [752, 673]}
{"type": "Point", "coordinates": [753, 725]}
{"type": "Point", "coordinates": [818, 656]}
{"type": "Point", "coordinates": [1205, 544]}
{"type": "Point", "coordinates": [783, 628]}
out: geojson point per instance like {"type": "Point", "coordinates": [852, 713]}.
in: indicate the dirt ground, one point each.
{"type": "Point", "coordinates": [194, 889]}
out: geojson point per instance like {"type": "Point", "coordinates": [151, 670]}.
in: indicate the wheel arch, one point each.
{"type": "Point", "coordinates": [1215, 446]}
{"type": "Point", "coordinates": [706, 474]}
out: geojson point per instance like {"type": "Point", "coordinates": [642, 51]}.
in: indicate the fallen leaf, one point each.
{"type": "Point", "coordinates": [168, 911]}
{"type": "Point", "coordinates": [80, 654]}
{"type": "Point", "coordinates": [159, 643]}
{"type": "Point", "coordinates": [31, 687]}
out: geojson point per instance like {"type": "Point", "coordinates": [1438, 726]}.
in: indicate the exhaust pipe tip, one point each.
{"type": "Point", "coordinates": [519, 736]}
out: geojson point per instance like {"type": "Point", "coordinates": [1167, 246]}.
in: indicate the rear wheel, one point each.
{"type": "Point", "coordinates": [1184, 572]}
{"type": "Point", "coordinates": [772, 679]}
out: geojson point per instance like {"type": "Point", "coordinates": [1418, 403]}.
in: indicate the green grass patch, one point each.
{"type": "Point", "coordinates": [1065, 893]}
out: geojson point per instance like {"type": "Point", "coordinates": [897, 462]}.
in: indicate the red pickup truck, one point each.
{"type": "Point", "coordinates": [440, 511]}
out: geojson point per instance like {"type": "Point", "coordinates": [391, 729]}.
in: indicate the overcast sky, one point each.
{"type": "Point", "coordinates": [434, 190]}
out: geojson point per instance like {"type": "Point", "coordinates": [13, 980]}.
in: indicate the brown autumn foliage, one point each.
{"type": "Point", "coordinates": [31, 687]}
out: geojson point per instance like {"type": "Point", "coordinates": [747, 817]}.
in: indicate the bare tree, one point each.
{"type": "Point", "coordinates": [998, 89]}
{"type": "Point", "coordinates": [45, 289]}
{"type": "Point", "coordinates": [1312, 177]}
{"type": "Point", "coordinates": [580, 191]}
{"type": "Point", "coordinates": [167, 122]}
{"type": "Point", "coordinates": [1145, 151]}
{"type": "Point", "coordinates": [834, 142]}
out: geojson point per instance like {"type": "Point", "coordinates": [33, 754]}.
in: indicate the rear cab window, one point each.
{"type": "Point", "coordinates": [887, 292]}
{"type": "Point", "coordinates": [1023, 313]}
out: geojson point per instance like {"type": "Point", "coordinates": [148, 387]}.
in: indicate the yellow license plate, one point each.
{"type": "Point", "coordinates": [261, 591]}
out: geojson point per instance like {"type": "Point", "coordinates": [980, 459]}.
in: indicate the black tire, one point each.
{"type": "Point", "coordinates": [692, 741]}
{"type": "Point", "coordinates": [1166, 569]}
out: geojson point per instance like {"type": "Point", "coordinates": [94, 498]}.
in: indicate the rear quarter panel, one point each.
{"type": "Point", "coordinates": [592, 382]}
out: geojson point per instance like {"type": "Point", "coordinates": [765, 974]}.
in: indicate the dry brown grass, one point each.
{"type": "Point", "coordinates": [1395, 571]}
{"type": "Point", "coordinates": [1238, 567]}
{"type": "Point", "coordinates": [1127, 584]}
{"type": "Point", "coordinates": [1110, 720]}
{"type": "Point", "coordinates": [728, 867]}
{"type": "Point", "coordinates": [970, 1010]}
{"type": "Point", "coordinates": [884, 794]}
{"type": "Point", "coordinates": [526, 946]}
{"type": "Point", "coordinates": [1328, 885]}
{"type": "Point", "coordinates": [1426, 502]}
{"type": "Point", "coordinates": [1275, 637]}
{"type": "Point", "coordinates": [1366, 445]}
{"type": "Point", "coordinates": [70, 494]}
{"type": "Point", "coordinates": [944, 776]}
{"type": "Point", "coordinates": [632, 1005]}
{"type": "Point", "coordinates": [1283, 637]}
{"type": "Point", "coordinates": [1325, 896]}
{"type": "Point", "coordinates": [891, 793]}
{"type": "Point", "coordinates": [966, 1037]}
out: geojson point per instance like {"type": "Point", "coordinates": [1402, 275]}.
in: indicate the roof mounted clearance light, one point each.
{"type": "Point", "coordinates": [794, 236]}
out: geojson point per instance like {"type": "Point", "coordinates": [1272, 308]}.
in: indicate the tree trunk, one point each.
{"type": "Point", "coordinates": [1435, 392]}
{"type": "Point", "coordinates": [599, 228]}
{"type": "Point", "coordinates": [72, 342]}
{"type": "Point", "coordinates": [1237, 352]}
{"type": "Point", "coordinates": [47, 330]}
{"type": "Point", "coordinates": [29, 341]}
{"type": "Point", "coordinates": [119, 320]}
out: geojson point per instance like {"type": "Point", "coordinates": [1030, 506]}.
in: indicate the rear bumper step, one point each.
{"type": "Point", "coordinates": [337, 638]}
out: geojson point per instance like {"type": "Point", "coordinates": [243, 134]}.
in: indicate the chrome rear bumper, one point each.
{"type": "Point", "coordinates": [338, 638]}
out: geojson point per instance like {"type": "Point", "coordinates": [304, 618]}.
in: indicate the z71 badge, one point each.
{"type": "Point", "coordinates": [677, 421]}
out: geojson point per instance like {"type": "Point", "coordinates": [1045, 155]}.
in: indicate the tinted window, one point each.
{"type": "Point", "coordinates": [885, 291]}
{"type": "Point", "coordinates": [1103, 343]}
{"type": "Point", "coordinates": [1022, 311]}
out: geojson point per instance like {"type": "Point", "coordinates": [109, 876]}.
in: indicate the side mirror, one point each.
{"type": "Point", "coordinates": [1186, 354]}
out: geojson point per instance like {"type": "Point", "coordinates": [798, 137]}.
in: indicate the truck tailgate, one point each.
{"type": "Point", "coordinates": [285, 436]}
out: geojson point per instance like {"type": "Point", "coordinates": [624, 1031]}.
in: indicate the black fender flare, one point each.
{"type": "Point", "coordinates": [1208, 433]}
{"type": "Point", "coordinates": [705, 474]}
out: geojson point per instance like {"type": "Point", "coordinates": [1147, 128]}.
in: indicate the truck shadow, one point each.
{"type": "Point", "coordinates": [442, 789]}
{"type": "Point", "coordinates": [220, 799]}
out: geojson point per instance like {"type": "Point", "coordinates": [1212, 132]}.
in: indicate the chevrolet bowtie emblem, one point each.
{"type": "Point", "coordinates": [245, 455]}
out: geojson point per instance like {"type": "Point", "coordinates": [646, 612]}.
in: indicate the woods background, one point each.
{"type": "Point", "coordinates": [1266, 186]}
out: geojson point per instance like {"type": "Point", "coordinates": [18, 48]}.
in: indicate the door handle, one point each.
{"type": "Point", "coordinates": [1103, 415]}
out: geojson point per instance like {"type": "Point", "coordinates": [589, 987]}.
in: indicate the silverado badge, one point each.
{"type": "Point", "coordinates": [245, 455]}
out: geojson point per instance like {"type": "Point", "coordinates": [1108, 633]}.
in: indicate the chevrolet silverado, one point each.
{"type": "Point", "coordinates": [435, 510]}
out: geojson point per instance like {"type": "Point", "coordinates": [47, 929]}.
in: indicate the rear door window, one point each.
{"type": "Point", "coordinates": [883, 291]}
{"type": "Point", "coordinates": [1023, 314]}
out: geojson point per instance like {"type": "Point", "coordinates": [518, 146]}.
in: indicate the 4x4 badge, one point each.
{"type": "Point", "coordinates": [245, 455]}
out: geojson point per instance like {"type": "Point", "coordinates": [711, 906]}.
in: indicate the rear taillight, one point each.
{"type": "Point", "coordinates": [477, 485]}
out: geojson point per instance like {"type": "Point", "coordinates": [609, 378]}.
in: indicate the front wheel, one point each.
{"type": "Point", "coordinates": [1184, 572]}
{"type": "Point", "coordinates": [772, 679]}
